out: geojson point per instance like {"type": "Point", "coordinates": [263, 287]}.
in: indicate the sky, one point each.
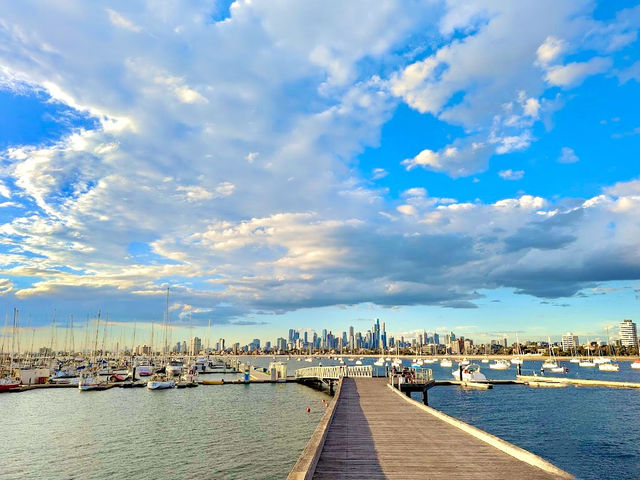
{"type": "Point", "coordinates": [440, 165]}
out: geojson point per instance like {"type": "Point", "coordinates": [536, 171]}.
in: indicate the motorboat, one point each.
{"type": "Point", "coordinates": [446, 363]}
{"type": "Point", "coordinates": [500, 365]}
{"type": "Point", "coordinates": [469, 373]}
{"type": "Point", "coordinates": [174, 368]}
{"type": "Point", "coordinates": [636, 365]}
{"type": "Point", "coordinates": [160, 382]}
{"type": "Point", "coordinates": [560, 370]}
{"type": "Point", "coordinates": [9, 383]}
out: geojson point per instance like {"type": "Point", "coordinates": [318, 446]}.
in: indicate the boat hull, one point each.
{"type": "Point", "coordinates": [160, 385]}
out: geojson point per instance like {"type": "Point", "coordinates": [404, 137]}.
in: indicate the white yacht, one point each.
{"type": "Point", "coordinates": [160, 382]}
{"type": "Point", "coordinates": [587, 363]}
{"type": "Point", "coordinates": [609, 367]}
{"type": "Point", "coordinates": [174, 368]}
{"type": "Point", "coordinates": [446, 363]}
{"type": "Point", "coordinates": [379, 362]}
{"type": "Point", "coordinates": [470, 373]}
{"type": "Point", "coordinates": [464, 362]}
{"type": "Point", "coordinates": [550, 364]}
{"type": "Point", "coordinates": [500, 365]}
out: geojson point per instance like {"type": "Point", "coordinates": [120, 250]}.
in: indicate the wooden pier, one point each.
{"type": "Point", "coordinates": [372, 431]}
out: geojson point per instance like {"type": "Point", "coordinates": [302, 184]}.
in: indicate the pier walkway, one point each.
{"type": "Point", "coordinates": [372, 431]}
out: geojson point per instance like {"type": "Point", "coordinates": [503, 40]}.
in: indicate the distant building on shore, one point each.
{"type": "Point", "coordinates": [628, 334]}
{"type": "Point", "coordinates": [569, 342]}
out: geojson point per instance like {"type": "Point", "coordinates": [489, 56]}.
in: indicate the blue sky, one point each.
{"type": "Point", "coordinates": [437, 164]}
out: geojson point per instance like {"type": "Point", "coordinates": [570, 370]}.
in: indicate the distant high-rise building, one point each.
{"type": "Point", "coordinates": [569, 342]}
{"type": "Point", "coordinates": [195, 346]}
{"type": "Point", "coordinates": [436, 339]}
{"type": "Point", "coordinates": [628, 334]}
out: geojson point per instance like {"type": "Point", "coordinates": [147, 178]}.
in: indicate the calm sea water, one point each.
{"type": "Point", "coordinates": [258, 431]}
{"type": "Point", "coordinates": [208, 432]}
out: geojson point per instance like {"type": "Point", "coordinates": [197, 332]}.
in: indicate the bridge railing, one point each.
{"type": "Point", "coordinates": [335, 372]}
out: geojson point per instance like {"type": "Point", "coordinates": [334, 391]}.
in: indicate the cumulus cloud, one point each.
{"type": "Point", "coordinates": [511, 174]}
{"type": "Point", "coordinates": [574, 73]}
{"type": "Point", "coordinates": [172, 161]}
{"type": "Point", "coordinates": [568, 156]}
{"type": "Point", "coordinates": [455, 87]}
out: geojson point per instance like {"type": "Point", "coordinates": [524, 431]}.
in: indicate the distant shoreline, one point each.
{"type": "Point", "coordinates": [439, 357]}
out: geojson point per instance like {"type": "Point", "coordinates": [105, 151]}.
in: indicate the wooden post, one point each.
{"type": "Point", "coordinates": [331, 387]}
{"type": "Point", "coordinates": [425, 397]}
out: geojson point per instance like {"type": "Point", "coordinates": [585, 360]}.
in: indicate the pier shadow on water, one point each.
{"type": "Point", "coordinates": [349, 450]}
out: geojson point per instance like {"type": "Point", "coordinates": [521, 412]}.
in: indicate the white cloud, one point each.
{"type": "Point", "coordinates": [574, 73]}
{"type": "Point", "coordinates": [568, 156]}
{"type": "Point", "coordinates": [251, 156]}
{"type": "Point", "coordinates": [379, 173]}
{"type": "Point", "coordinates": [119, 21]}
{"type": "Point", "coordinates": [407, 209]}
{"type": "Point", "coordinates": [550, 50]}
{"type": "Point", "coordinates": [511, 174]}
{"type": "Point", "coordinates": [167, 166]}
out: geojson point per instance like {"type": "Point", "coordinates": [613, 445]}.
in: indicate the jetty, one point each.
{"type": "Point", "coordinates": [373, 430]}
{"type": "Point", "coordinates": [578, 382]}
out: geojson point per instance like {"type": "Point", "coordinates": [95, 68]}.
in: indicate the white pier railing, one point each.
{"type": "Point", "coordinates": [336, 372]}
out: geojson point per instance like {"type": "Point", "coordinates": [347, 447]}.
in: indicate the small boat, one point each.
{"type": "Point", "coordinates": [609, 367]}
{"type": "Point", "coordinates": [549, 364]}
{"type": "Point", "coordinates": [89, 382]}
{"type": "Point", "coordinates": [160, 382]}
{"type": "Point", "coordinates": [485, 360]}
{"type": "Point", "coordinates": [174, 368]}
{"type": "Point", "coordinates": [379, 362]}
{"type": "Point", "coordinates": [446, 363]}
{"type": "Point", "coordinates": [358, 362]}
{"type": "Point", "coordinates": [517, 361]}
{"type": "Point", "coordinates": [213, 382]}
{"type": "Point", "coordinates": [636, 365]}
{"type": "Point", "coordinates": [500, 365]}
{"type": "Point", "coordinates": [587, 364]}
{"type": "Point", "coordinates": [574, 360]}
{"type": "Point", "coordinates": [470, 373]}
{"type": "Point", "coordinates": [308, 359]}
{"type": "Point", "coordinates": [464, 362]}
{"type": "Point", "coordinates": [560, 370]}
{"type": "Point", "coordinates": [9, 383]}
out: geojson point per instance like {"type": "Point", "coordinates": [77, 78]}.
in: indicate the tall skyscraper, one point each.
{"type": "Point", "coordinates": [628, 333]}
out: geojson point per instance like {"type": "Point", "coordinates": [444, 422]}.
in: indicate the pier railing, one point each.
{"type": "Point", "coordinates": [336, 372]}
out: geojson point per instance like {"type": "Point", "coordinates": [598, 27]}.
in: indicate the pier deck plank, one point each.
{"type": "Point", "coordinates": [375, 434]}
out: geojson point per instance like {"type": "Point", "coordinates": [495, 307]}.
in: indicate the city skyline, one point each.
{"type": "Point", "coordinates": [382, 172]}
